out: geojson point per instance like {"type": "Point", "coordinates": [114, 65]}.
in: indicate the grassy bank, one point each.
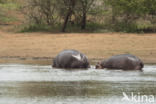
{"type": "Point", "coordinates": [95, 46]}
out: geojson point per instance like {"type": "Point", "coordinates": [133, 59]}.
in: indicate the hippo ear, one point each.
{"type": "Point", "coordinates": [78, 57]}
{"type": "Point", "coordinates": [83, 57]}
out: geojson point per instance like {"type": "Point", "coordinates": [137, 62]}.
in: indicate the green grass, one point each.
{"type": "Point", "coordinates": [10, 5]}
{"type": "Point", "coordinates": [7, 19]}
{"type": "Point", "coordinates": [90, 28]}
{"type": "Point", "coordinates": [5, 11]}
{"type": "Point", "coordinates": [39, 28]}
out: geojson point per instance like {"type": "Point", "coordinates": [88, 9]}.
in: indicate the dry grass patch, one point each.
{"type": "Point", "coordinates": [95, 46]}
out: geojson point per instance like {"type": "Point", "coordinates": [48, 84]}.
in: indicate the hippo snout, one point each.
{"type": "Point", "coordinates": [98, 66]}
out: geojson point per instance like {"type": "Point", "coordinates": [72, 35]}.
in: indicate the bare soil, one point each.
{"type": "Point", "coordinates": [95, 46]}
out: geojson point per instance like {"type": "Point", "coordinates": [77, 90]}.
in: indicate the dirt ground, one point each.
{"type": "Point", "coordinates": [95, 46]}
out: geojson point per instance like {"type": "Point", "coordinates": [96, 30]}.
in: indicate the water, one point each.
{"type": "Point", "coordinates": [36, 84]}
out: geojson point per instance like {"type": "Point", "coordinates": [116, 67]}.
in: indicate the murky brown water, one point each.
{"type": "Point", "coordinates": [36, 84]}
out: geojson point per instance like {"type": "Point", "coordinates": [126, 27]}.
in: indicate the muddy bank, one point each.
{"type": "Point", "coordinates": [48, 60]}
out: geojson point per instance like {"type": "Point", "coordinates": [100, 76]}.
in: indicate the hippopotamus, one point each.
{"type": "Point", "coordinates": [71, 59]}
{"type": "Point", "coordinates": [123, 61]}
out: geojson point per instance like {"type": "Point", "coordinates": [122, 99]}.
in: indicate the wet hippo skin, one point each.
{"type": "Point", "coordinates": [70, 59]}
{"type": "Point", "coordinates": [124, 61]}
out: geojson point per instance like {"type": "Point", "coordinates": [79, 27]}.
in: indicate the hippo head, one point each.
{"type": "Point", "coordinates": [139, 66]}
{"type": "Point", "coordinates": [99, 65]}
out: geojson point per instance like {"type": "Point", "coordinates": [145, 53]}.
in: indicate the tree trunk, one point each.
{"type": "Point", "coordinates": [113, 16]}
{"type": "Point", "coordinates": [66, 21]}
{"type": "Point", "coordinates": [69, 13]}
{"type": "Point", "coordinates": [83, 24]}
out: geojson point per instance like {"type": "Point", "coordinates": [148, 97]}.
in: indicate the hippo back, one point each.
{"type": "Point", "coordinates": [70, 59]}
{"type": "Point", "coordinates": [125, 61]}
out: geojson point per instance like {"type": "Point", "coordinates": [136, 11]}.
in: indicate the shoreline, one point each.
{"type": "Point", "coordinates": [48, 60]}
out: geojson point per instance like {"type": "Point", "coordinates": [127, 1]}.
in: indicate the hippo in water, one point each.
{"type": "Point", "coordinates": [124, 61]}
{"type": "Point", "coordinates": [70, 59]}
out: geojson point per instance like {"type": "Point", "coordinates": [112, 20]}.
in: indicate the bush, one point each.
{"type": "Point", "coordinates": [124, 27]}
{"type": "Point", "coordinates": [40, 28]}
{"type": "Point", "coordinates": [41, 11]}
{"type": "Point", "coordinates": [90, 15]}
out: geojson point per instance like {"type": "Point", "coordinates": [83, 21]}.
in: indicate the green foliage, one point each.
{"type": "Point", "coordinates": [6, 8]}
{"type": "Point", "coordinates": [2, 1]}
{"type": "Point", "coordinates": [126, 13]}
{"type": "Point", "coordinates": [82, 15]}
{"type": "Point", "coordinates": [5, 19]}
{"type": "Point", "coordinates": [51, 12]}
{"type": "Point", "coordinates": [91, 28]}
{"type": "Point", "coordinates": [127, 6]}
{"type": "Point", "coordinates": [40, 27]}
{"type": "Point", "coordinates": [124, 27]}
{"type": "Point", "coordinates": [9, 6]}
{"type": "Point", "coordinates": [150, 6]}
{"type": "Point", "coordinates": [40, 11]}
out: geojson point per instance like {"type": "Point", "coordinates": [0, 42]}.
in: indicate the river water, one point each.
{"type": "Point", "coordinates": [37, 84]}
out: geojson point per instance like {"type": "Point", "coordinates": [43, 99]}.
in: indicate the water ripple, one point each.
{"type": "Point", "coordinates": [18, 72]}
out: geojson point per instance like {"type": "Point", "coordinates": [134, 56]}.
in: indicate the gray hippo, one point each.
{"type": "Point", "coordinates": [70, 59]}
{"type": "Point", "coordinates": [124, 61]}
